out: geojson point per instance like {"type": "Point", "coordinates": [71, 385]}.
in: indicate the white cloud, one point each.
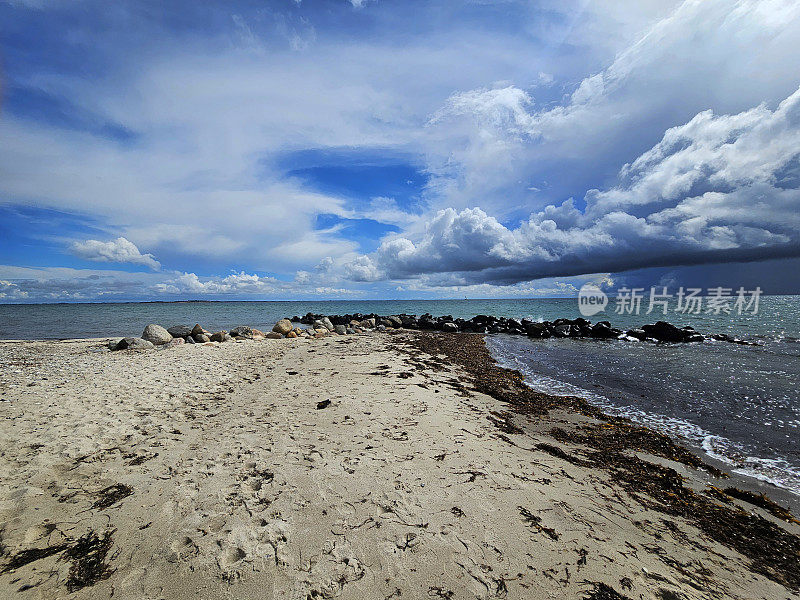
{"type": "Point", "coordinates": [119, 250]}
{"type": "Point", "coordinates": [716, 188]}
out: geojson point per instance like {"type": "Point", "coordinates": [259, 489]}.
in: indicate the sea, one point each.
{"type": "Point", "coordinates": [738, 404]}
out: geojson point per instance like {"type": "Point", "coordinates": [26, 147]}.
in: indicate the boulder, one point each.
{"type": "Point", "coordinates": [340, 329]}
{"type": "Point", "coordinates": [174, 342]}
{"type": "Point", "coordinates": [258, 334]}
{"type": "Point", "coordinates": [368, 323]}
{"type": "Point", "coordinates": [197, 330]}
{"type": "Point", "coordinates": [274, 335]}
{"type": "Point", "coordinates": [603, 330]}
{"type": "Point", "coordinates": [180, 331]}
{"type": "Point", "coordinates": [535, 329]}
{"type": "Point", "coordinates": [291, 334]}
{"type": "Point", "coordinates": [242, 331]}
{"type": "Point", "coordinates": [449, 327]}
{"type": "Point", "coordinates": [327, 323]}
{"type": "Point", "coordinates": [283, 326]}
{"type": "Point", "coordinates": [132, 343]}
{"type": "Point", "coordinates": [201, 338]}
{"type": "Point", "coordinates": [351, 330]}
{"type": "Point", "coordinates": [381, 327]}
{"type": "Point", "coordinates": [665, 332]}
{"type": "Point", "coordinates": [639, 334]}
{"type": "Point", "coordinates": [189, 340]}
{"type": "Point", "coordinates": [221, 336]}
{"type": "Point", "coordinates": [156, 335]}
{"type": "Point", "coordinates": [562, 329]}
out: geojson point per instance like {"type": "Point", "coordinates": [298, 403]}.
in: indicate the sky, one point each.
{"type": "Point", "coordinates": [367, 149]}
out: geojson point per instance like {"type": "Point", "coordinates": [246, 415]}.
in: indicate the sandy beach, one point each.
{"type": "Point", "coordinates": [364, 466]}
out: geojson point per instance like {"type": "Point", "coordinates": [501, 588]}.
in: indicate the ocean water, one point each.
{"type": "Point", "coordinates": [740, 404]}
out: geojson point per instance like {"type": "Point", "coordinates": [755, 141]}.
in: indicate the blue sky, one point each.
{"type": "Point", "coordinates": [379, 149]}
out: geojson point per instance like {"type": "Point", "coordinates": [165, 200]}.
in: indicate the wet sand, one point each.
{"type": "Point", "coordinates": [371, 466]}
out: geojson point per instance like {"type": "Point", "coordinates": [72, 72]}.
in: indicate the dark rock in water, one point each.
{"type": "Point", "coordinates": [243, 331]}
{"type": "Point", "coordinates": [639, 334]}
{"type": "Point", "coordinates": [604, 331]}
{"type": "Point", "coordinates": [180, 331]}
{"type": "Point", "coordinates": [536, 330]}
{"type": "Point", "coordinates": [450, 327]}
{"type": "Point", "coordinates": [562, 329]}
{"type": "Point", "coordinates": [132, 343]}
{"type": "Point", "coordinates": [295, 319]}
{"type": "Point", "coordinates": [156, 335]}
{"type": "Point", "coordinates": [664, 332]}
{"type": "Point", "coordinates": [201, 338]}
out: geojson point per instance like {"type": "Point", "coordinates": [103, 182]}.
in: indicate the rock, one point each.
{"type": "Point", "coordinates": [258, 334]}
{"type": "Point", "coordinates": [274, 335]}
{"type": "Point", "coordinates": [350, 330]}
{"type": "Point", "coordinates": [327, 323]}
{"type": "Point", "coordinates": [201, 338]}
{"type": "Point", "coordinates": [368, 323]}
{"type": "Point", "coordinates": [664, 332]}
{"type": "Point", "coordinates": [189, 340]}
{"type": "Point", "coordinates": [291, 334]}
{"type": "Point", "coordinates": [180, 331]}
{"type": "Point", "coordinates": [220, 336]}
{"type": "Point", "coordinates": [396, 321]}
{"type": "Point", "coordinates": [562, 330]}
{"type": "Point", "coordinates": [381, 327]}
{"type": "Point", "coordinates": [132, 343]}
{"type": "Point", "coordinates": [242, 331]}
{"type": "Point", "coordinates": [156, 335]}
{"type": "Point", "coordinates": [450, 327]}
{"type": "Point", "coordinates": [387, 323]}
{"type": "Point", "coordinates": [694, 337]}
{"type": "Point", "coordinates": [283, 327]}
{"type": "Point", "coordinates": [639, 334]}
{"type": "Point", "coordinates": [536, 330]}
{"type": "Point", "coordinates": [603, 331]}
{"type": "Point", "coordinates": [340, 329]}
{"type": "Point", "coordinates": [197, 330]}
{"type": "Point", "coordinates": [174, 342]}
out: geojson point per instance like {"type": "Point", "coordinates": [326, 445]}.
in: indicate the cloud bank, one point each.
{"type": "Point", "coordinates": [119, 250]}
{"type": "Point", "coordinates": [718, 188]}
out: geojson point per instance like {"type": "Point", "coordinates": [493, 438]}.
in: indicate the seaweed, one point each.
{"type": "Point", "coordinates": [762, 501]}
{"type": "Point", "coordinates": [601, 591]}
{"type": "Point", "coordinates": [109, 496]}
{"type": "Point", "coordinates": [88, 556]}
{"type": "Point", "coordinates": [535, 522]}
{"type": "Point", "coordinates": [773, 551]}
{"type": "Point", "coordinates": [24, 557]}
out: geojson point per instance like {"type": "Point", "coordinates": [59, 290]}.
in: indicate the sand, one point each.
{"type": "Point", "coordinates": [328, 468]}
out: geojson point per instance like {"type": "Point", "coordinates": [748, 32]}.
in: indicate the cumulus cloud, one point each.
{"type": "Point", "coordinates": [119, 250]}
{"type": "Point", "coordinates": [717, 188]}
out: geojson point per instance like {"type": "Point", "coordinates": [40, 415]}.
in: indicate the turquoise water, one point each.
{"type": "Point", "coordinates": [739, 403]}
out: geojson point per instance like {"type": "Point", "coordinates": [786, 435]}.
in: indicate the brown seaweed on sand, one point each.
{"type": "Point", "coordinates": [773, 551]}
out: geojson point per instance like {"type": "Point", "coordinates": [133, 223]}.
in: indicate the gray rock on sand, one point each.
{"type": "Point", "coordinates": [242, 331]}
{"type": "Point", "coordinates": [156, 335]}
{"type": "Point", "coordinates": [283, 326]}
{"type": "Point", "coordinates": [274, 335]}
{"type": "Point", "coordinates": [174, 342]}
{"type": "Point", "coordinates": [180, 331]}
{"type": "Point", "coordinates": [221, 336]}
{"type": "Point", "coordinates": [132, 343]}
{"type": "Point", "coordinates": [201, 338]}
{"type": "Point", "coordinates": [189, 340]}
{"type": "Point", "coordinates": [327, 323]}
{"type": "Point", "coordinates": [340, 329]}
